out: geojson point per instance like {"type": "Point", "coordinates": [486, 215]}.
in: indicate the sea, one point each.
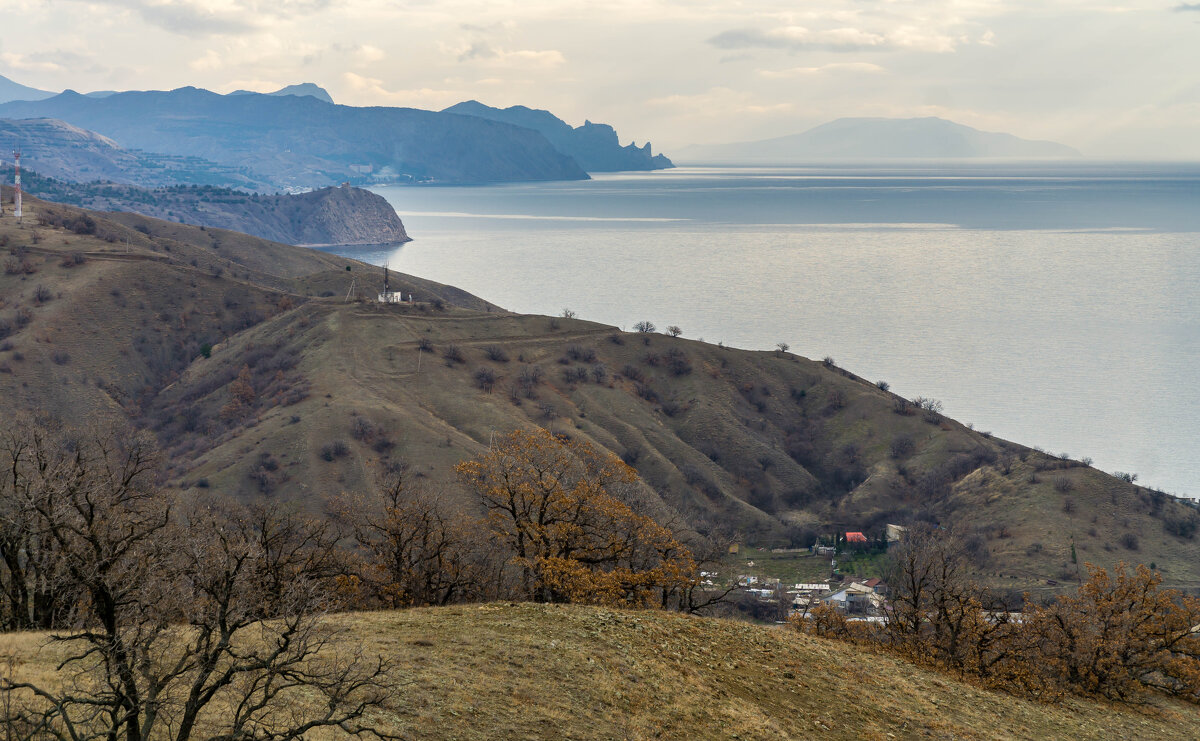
{"type": "Point", "coordinates": [1054, 305]}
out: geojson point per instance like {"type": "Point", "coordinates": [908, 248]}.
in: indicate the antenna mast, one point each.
{"type": "Point", "coordinates": [17, 186]}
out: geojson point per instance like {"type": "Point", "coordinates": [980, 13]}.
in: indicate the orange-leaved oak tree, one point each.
{"type": "Point", "coordinates": [560, 508]}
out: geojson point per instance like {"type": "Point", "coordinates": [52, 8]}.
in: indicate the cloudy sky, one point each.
{"type": "Point", "coordinates": [1111, 78]}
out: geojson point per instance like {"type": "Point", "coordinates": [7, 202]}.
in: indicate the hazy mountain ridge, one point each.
{"type": "Point", "coordinates": [763, 444]}
{"type": "Point", "coordinates": [881, 138]}
{"type": "Point", "coordinates": [59, 150]}
{"type": "Point", "coordinates": [10, 90]}
{"type": "Point", "coordinates": [300, 141]}
{"type": "Point", "coordinates": [309, 89]}
{"type": "Point", "coordinates": [594, 146]}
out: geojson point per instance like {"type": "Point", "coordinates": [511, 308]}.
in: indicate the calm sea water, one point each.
{"type": "Point", "coordinates": [1056, 307]}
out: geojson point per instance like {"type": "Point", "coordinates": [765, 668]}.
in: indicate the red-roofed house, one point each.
{"type": "Point", "coordinates": [856, 538]}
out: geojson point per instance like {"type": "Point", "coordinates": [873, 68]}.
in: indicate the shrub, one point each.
{"type": "Point", "coordinates": [674, 330]}
{"type": "Point", "coordinates": [362, 429]}
{"type": "Point", "coordinates": [334, 450]}
{"type": "Point", "coordinates": [1129, 541]}
{"type": "Point", "coordinates": [485, 378]}
{"type": "Point", "coordinates": [42, 294]}
{"type": "Point", "coordinates": [60, 357]}
{"type": "Point", "coordinates": [599, 373]}
{"type": "Point", "coordinates": [453, 354]}
{"type": "Point", "coordinates": [616, 339]}
{"type": "Point", "coordinates": [882, 385]}
{"type": "Point", "coordinates": [1182, 526]}
{"type": "Point", "coordinates": [645, 327]}
{"type": "Point", "coordinates": [902, 446]}
{"type": "Point", "coordinates": [424, 345]}
{"type": "Point", "coordinates": [678, 363]}
{"type": "Point", "coordinates": [496, 353]}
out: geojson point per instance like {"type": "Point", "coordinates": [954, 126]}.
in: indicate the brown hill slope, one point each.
{"type": "Point", "coordinates": [496, 671]}
{"type": "Point", "coordinates": [156, 325]}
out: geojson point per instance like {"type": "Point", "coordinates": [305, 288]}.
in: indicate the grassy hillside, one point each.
{"type": "Point", "coordinates": [154, 321]}
{"type": "Point", "coordinates": [565, 672]}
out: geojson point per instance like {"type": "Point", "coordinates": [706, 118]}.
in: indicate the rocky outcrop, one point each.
{"type": "Point", "coordinates": [340, 216]}
{"type": "Point", "coordinates": [594, 146]}
{"type": "Point", "coordinates": [330, 216]}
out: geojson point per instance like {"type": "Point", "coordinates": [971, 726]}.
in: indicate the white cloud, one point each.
{"type": "Point", "coordinates": [209, 61]}
{"type": "Point", "coordinates": [841, 39]}
{"type": "Point", "coordinates": [835, 67]}
{"type": "Point", "coordinates": [371, 91]}
{"type": "Point", "coordinates": [718, 102]}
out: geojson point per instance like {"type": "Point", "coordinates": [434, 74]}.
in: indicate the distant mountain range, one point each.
{"type": "Point", "coordinates": [303, 89]}
{"type": "Point", "coordinates": [880, 138]}
{"type": "Point", "coordinates": [594, 146]}
{"type": "Point", "coordinates": [297, 138]}
{"type": "Point", "coordinates": [302, 142]}
{"type": "Point", "coordinates": [10, 90]}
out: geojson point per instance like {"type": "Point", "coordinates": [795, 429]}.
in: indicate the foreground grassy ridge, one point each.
{"type": "Point", "coordinates": [567, 672]}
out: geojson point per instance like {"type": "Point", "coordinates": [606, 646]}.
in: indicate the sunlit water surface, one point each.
{"type": "Point", "coordinates": [1059, 307]}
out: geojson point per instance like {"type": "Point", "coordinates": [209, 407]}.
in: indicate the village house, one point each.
{"type": "Point", "coordinates": [855, 599]}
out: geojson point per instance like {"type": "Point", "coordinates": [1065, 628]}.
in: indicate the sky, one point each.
{"type": "Point", "coordinates": [1113, 79]}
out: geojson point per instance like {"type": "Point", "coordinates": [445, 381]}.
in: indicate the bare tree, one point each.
{"type": "Point", "coordinates": [417, 552]}
{"type": "Point", "coordinates": [180, 613]}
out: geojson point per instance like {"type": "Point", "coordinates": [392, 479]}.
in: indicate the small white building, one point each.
{"type": "Point", "coordinates": [854, 599]}
{"type": "Point", "coordinates": [394, 297]}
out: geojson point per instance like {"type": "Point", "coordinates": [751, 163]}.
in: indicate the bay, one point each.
{"type": "Point", "coordinates": [1058, 306]}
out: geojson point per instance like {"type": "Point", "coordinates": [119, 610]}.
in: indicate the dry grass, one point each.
{"type": "Point", "coordinates": [504, 671]}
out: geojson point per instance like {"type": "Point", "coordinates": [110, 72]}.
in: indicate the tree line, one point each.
{"type": "Point", "coordinates": [167, 610]}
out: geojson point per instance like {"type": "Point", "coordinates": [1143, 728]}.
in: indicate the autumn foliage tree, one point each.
{"type": "Point", "coordinates": [560, 508]}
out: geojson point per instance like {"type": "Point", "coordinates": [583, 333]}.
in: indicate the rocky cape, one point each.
{"type": "Point", "coordinates": [594, 146]}
{"type": "Point", "coordinates": [299, 141]}
{"type": "Point", "coordinates": [880, 138]}
{"type": "Point", "coordinates": [326, 217]}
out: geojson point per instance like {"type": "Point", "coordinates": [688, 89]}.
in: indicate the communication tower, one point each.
{"type": "Point", "coordinates": [17, 185]}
